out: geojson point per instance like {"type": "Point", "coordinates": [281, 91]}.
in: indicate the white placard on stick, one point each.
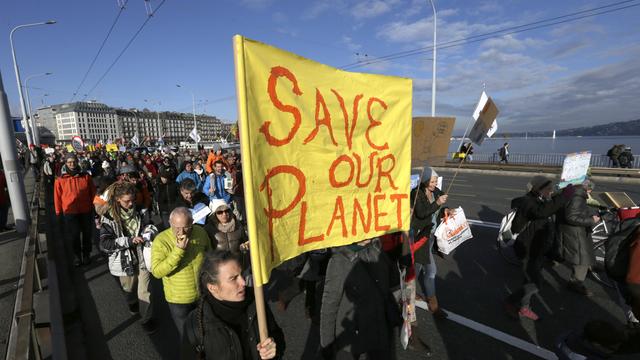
{"type": "Point", "coordinates": [575, 168]}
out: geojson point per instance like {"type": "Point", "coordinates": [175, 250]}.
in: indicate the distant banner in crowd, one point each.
{"type": "Point", "coordinates": [484, 115]}
{"type": "Point", "coordinates": [77, 143]}
{"type": "Point", "coordinates": [112, 148]}
{"type": "Point", "coordinates": [430, 140]}
{"type": "Point", "coordinates": [326, 153]}
{"type": "Point", "coordinates": [575, 168]}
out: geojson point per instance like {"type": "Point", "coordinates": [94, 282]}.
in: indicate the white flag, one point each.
{"type": "Point", "coordinates": [481, 104]}
{"type": "Point", "coordinates": [493, 128]}
{"type": "Point", "coordinates": [194, 135]}
{"type": "Point", "coordinates": [135, 140]}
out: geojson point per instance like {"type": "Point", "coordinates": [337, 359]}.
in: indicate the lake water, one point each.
{"type": "Point", "coordinates": [559, 145]}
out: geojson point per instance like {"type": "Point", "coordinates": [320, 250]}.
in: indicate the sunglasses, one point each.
{"type": "Point", "coordinates": [223, 211]}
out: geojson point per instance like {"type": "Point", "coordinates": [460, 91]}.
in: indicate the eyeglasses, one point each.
{"type": "Point", "coordinates": [223, 211]}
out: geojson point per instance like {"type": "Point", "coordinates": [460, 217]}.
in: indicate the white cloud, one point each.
{"type": "Point", "coordinates": [372, 8]}
{"type": "Point", "coordinates": [351, 45]}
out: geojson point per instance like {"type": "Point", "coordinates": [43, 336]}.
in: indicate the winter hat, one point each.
{"type": "Point", "coordinates": [217, 205]}
{"type": "Point", "coordinates": [538, 183]}
{"type": "Point", "coordinates": [432, 172]}
{"type": "Point", "coordinates": [70, 156]}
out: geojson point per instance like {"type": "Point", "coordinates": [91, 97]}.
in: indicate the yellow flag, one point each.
{"type": "Point", "coordinates": [326, 153]}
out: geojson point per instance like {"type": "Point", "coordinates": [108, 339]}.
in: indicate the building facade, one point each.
{"type": "Point", "coordinates": [96, 122]}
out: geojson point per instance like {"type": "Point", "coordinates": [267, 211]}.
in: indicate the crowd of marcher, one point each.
{"type": "Point", "coordinates": [143, 211]}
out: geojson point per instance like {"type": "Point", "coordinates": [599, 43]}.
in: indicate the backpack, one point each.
{"type": "Point", "coordinates": [617, 248]}
{"type": "Point", "coordinates": [506, 237]}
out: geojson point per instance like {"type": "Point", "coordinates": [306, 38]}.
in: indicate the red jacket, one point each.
{"type": "Point", "coordinates": [74, 194]}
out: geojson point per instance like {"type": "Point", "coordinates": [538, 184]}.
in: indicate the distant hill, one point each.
{"type": "Point", "coordinates": [624, 128]}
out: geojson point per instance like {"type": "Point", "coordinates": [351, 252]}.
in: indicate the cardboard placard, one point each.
{"type": "Point", "coordinates": [430, 140]}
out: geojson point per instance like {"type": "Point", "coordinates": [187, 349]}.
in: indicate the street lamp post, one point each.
{"type": "Point", "coordinates": [34, 127]}
{"type": "Point", "coordinates": [17, 70]}
{"type": "Point", "coordinates": [433, 76]}
{"type": "Point", "coordinates": [195, 125]}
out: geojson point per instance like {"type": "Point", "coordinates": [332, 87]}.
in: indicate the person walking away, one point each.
{"type": "Point", "coordinates": [575, 221]}
{"type": "Point", "coordinates": [426, 215]}
{"type": "Point", "coordinates": [176, 256]}
{"type": "Point", "coordinates": [216, 184]}
{"type": "Point", "coordinates": [73, 199]}
{"type": "Point", "coordinates": [614, 153]}
{"type": "Point", "coordinates": [354, 315]}
{"type": "Point", "coordinates": [503, 152]}
{"type": "Point", "coordinates": [121, 238]}
{"type": "Point", "coordinates": [535, 227]}
{"type": "Point", "coordinates": [167, 191]}
{"type": "Point", "coordinates": [626, 158]}
{"type": "Point", "coordinates": [224, 326]}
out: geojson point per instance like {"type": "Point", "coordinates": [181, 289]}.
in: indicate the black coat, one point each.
{"type": "Point", "coordinates": [421, 221]}
{"type": "Point", "coordinates": [533, 220]}
{"type": "Point", "coordinates": [167, 195]}
{"type": "Point", "coordinates": [575, 222]}
{"type": "Point", "coordinates": [352, 317]}
{"type": "Point", "coordinates": [220, 340]}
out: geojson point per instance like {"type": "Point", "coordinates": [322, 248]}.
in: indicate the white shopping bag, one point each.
{"type": "Point", "coordinates": [453, 231]}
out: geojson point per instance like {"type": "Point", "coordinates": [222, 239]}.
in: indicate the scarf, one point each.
{"type": "Point", "coordinates": [228, 227]}
{"type": "Point", "coordinates": [234, 315]}
{"type": "Point", "coordinates": [130, 221]}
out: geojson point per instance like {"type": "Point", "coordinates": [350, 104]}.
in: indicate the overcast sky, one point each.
{"type": "Point", "coordinates": [574, 74]}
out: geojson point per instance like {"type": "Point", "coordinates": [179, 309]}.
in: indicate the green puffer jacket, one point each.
{"type": "Point", "coordinates": [179, 268]}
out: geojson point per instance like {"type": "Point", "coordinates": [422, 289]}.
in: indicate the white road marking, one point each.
{"type": "Point", "coordinates": [508, 189]}
{"type": "Point", "coordinates": [496, 334]}
{"type": "Point", "coordinates": [481, 223]}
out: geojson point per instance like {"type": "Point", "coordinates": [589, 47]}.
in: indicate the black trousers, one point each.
{"type": "Point", "coordinates": [78, 232]}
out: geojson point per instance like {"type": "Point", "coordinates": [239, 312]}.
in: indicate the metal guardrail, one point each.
{"type": "Point", "coordinates": [597, 160]}
{"type": "Point", "coordinates": [22, 338]}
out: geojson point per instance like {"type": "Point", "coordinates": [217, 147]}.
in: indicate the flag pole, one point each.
{"type": "Point", "coordinates": [458, 169]}
{"type": "Point", "coordinates": [254, 246]}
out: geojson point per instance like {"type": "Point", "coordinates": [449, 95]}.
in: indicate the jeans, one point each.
{"type": "Point", "coordinates": [179, 313]}
{"type": "Point", "coordinates": [426, 273]}
{"type": "Point", "coordinates": [78, 229]}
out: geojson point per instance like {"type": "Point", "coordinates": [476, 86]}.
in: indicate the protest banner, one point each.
{"type": "Point", "coordinates": [430, 140]}
{"type": "Point", "coordinates": [326, 156]}
{"type": "Point", "coordinates": [70, 148]}
{"type": "Point", "coordinates": [485, 114]}
{"type": "Point", "coordinates": [77, 143]}
{"type": "Point", "coordinates": [326, 153]}
{"type": "Point", "coordinates": [575, 168]}
{"type": "Point", "coordinates": [112, 148]}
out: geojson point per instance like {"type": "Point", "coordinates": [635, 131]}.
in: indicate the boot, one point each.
{"type": "Point", "coordinates": [416, 344]}
{"type": "Point", "coordinates": [438, 313]}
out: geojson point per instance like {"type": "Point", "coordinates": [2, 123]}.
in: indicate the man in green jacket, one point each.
{"type": "Point", "coordinates": [176, 256]}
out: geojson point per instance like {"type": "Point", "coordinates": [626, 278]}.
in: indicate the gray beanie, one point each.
{"type": "Point", "coordinates": [433, 173]}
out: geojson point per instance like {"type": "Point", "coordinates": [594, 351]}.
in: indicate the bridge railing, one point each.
{"type": "Point", "coordinates": [597, 160]}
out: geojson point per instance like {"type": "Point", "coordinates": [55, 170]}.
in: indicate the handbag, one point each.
{"type": "Point", "coordinates": [453, 231]}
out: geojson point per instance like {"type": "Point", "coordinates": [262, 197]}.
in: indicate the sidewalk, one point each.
{"type": "Point", "coordinates": [11, 249]}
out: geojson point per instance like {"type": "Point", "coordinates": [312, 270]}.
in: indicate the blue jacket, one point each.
{"type": "Point", "coordinates": [219, 191]}
{"type": "Point", "coordinates": [190, 175]}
